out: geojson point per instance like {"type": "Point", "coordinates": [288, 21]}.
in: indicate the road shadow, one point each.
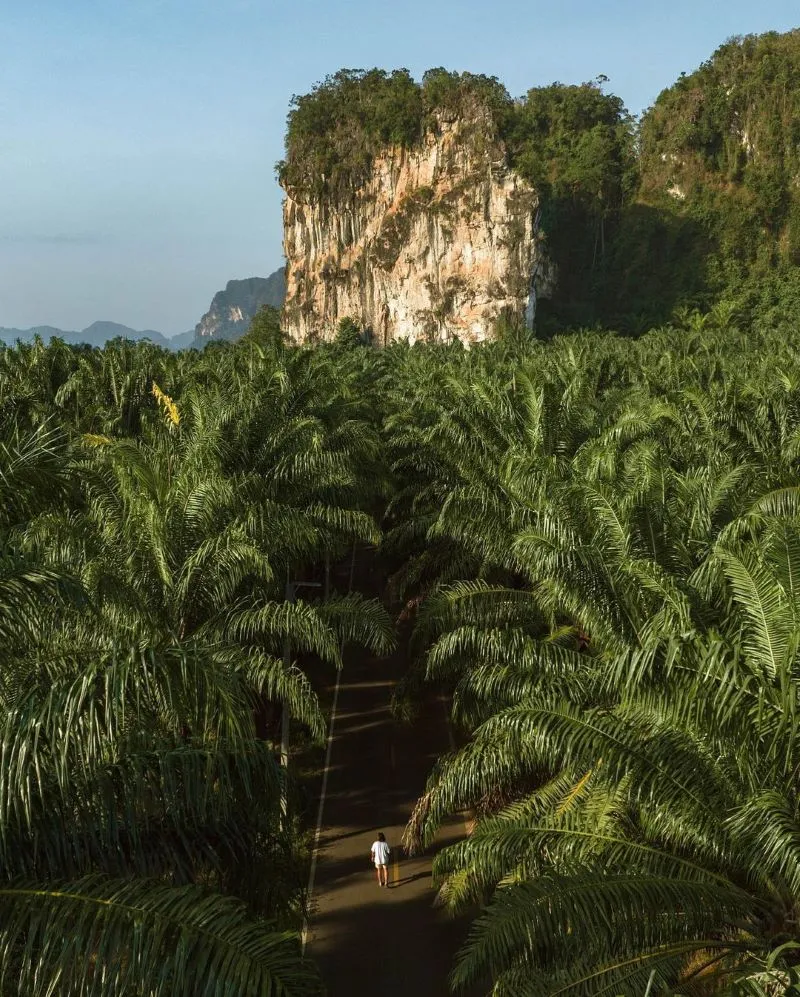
{"type": "Point", "coordinates": [370, 941]}
{"type": "Point", "coordinates": [409, 879]}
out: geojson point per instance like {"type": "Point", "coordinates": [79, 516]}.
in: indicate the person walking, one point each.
{"type": "Point", "coordinates": [380, 856]}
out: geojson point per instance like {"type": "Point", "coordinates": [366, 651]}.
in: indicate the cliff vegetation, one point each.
{"type": "Point", "coordinates": [695, 203]}
{"type": "Point", "coordinates": [720, 154]}
{"type": "Point", "coordinates": [334, 132]}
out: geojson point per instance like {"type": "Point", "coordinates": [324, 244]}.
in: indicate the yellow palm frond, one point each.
{"type": "Point", "coordinates": [167, 404]}
{"type": "Point", "coordinates": [97, 439]}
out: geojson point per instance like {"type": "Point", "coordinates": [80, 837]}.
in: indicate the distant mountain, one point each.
{"type": "Point", "coordinates": [45, 332]}
{"type": "Point", "coordinates": [100, 332]}
{"type": "Point", "coordinates": [96, 334]}
{"type": "Point", "coordinates": [183, 341]}
{"type": "Point", "coordinates": [229, 317]}
{"type": "Point", "coordinates": [232, 310]}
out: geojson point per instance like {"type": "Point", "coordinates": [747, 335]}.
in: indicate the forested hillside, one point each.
{"type": "Point", "coordinates": [695, 203]}
{"type": "Point", "coordinates": [720, 152]}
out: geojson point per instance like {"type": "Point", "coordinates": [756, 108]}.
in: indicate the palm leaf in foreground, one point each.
{"type": "Point", "coordinates": [105, 936]}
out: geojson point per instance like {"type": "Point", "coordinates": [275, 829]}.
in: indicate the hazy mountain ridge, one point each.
{"type": "Point", "coordinates": [95, 334]}
{"type": "Point", "coordinates": [246, 295]}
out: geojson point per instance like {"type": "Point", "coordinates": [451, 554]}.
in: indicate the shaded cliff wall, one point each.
{"type": "Point", "coordinates": [438, 243]}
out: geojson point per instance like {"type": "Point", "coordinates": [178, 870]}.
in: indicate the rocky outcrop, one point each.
{"type": "Point", "coordinates": [439, 243]}
{"type": "Point", "coordinates": [232, 310]}
{"type": "Point", "coordinates": [229, 317]}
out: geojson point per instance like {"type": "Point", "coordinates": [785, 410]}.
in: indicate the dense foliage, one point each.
{"type": "Point", "coordinates": [695, 203]}
{"type": "Point", "coordinates": [605, 536]}
{"type": "Point", "coordinates": [731, 128]}
{"type": "Point", "coordinates": [598, 543]}
{"type": "Point", "coordinates": [597, 540]}
{"type": "Point", "coordinates": [334, 132]}
{"type": "Point", "coordinates": [153, 507]}
{"type": "Point", "coordinates": [720, 150]}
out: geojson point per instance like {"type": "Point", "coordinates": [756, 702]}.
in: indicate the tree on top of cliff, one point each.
{"type": "Point", "coordinates": [458, 94]}
{"type": "Point", "coordinates": [335, 131]}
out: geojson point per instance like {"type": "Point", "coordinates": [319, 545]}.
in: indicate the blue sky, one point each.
{"type": "Point", "coordinates": [138, 137]}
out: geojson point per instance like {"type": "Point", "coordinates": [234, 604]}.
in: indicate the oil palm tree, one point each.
{"type": "Point", "coordinates": [150, 853]}
{"type": "Point", "coordinates": [622, 664]}
{"type": "Point", "coordinates": [140, 841]}
{"type": "Point", "coordinates": [656, 841]}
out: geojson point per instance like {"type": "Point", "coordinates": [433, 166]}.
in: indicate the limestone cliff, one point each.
{"type": "Point", "coordinates": [438, 243]}
{"type": "Point", "coordinates": [232, 310]}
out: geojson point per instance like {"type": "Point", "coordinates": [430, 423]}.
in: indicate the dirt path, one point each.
{"type": "Point", "coordinates": [370, 941]}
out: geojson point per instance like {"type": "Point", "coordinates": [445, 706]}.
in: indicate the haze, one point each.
{"type": "Point", "coordinates": [138, 139]}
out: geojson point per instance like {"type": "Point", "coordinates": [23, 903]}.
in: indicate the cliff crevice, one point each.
{"type": "Point", "coordinates": [438, 243]}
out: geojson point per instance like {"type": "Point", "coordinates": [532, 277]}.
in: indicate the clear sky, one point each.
{"type": "Point", "coordinates": [138, 137]}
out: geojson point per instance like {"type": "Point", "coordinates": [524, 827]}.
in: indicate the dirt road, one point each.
{"type": "Point", "coordinates": [368, 941]}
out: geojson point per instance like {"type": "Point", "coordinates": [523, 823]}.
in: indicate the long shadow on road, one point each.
{"type": "Point", "coordinates": [368, 940]}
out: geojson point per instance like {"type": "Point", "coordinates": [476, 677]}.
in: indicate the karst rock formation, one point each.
{"type": "Point", "coordinates": [440, 242]}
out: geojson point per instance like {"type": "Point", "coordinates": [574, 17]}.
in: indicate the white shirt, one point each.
{"type": "Point", "coordinates": [380, 852]}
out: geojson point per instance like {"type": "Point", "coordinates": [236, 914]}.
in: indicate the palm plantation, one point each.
{"type": "Point", "coordinates": [597, 542]}
{"type": "Point", "coordinates": [144, 848]}
{"type": "Point", "coordinates": [621, 657]}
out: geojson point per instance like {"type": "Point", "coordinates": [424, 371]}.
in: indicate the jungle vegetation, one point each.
{"type": "Point", "coordinates": [693, 203]}
{"type": "Point", "coordinates": [597, 540]}
{"type": "Point", "coordinates": [606, 539]}
{"type": "Point", "coordinates": [153, 508]}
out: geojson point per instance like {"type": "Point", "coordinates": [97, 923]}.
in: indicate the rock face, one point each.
{"type": "Point", "coordinates": [232, 310]}
{"type": "Point", "coordinates": [439, 243]}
